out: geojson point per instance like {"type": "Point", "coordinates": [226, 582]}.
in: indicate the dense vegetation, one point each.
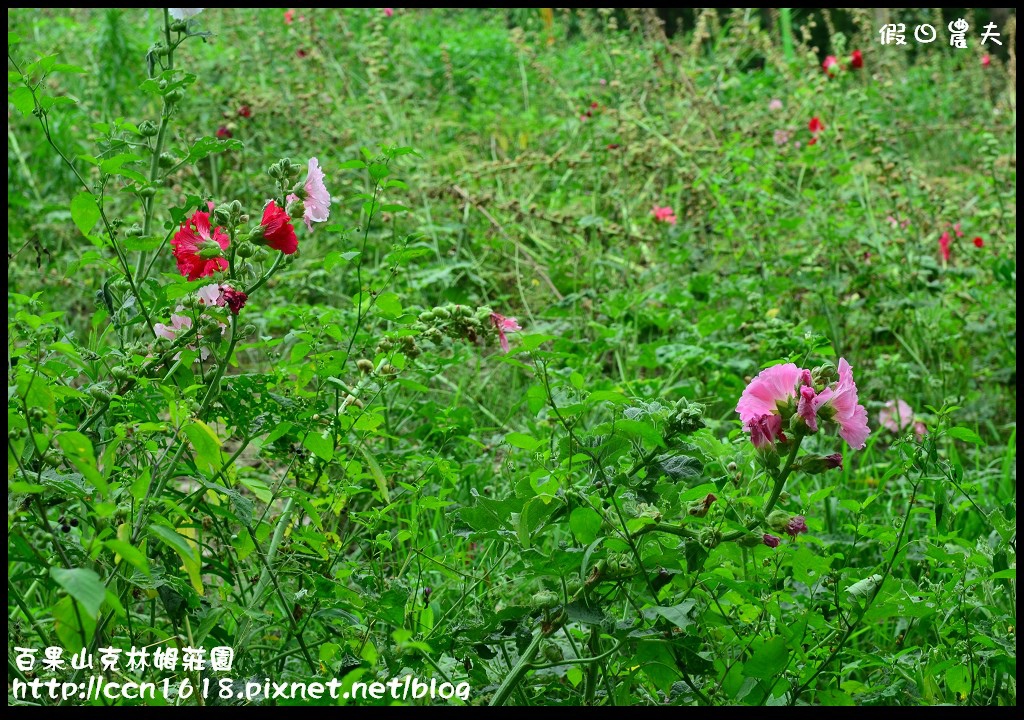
{"type": "Point", "coordinates": [479, 424]}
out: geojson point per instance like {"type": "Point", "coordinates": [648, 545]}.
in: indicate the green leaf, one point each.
{"type": "Point", "coordinates": [334, 259]}
{"type": "Point", "coordinates": [965, 434]}
{"type": "Point", "coordinates": [78, 449]}
{"type": "Point", "coordinates": [377, 473]}
{"type": "Point", "coordinates": [128, 552]}
{"type": "Point", "coordinates": [184, 548]}
{"type": "Point", "coordinates": [523, 442]}
{"type": "Point", "coordinates": [144, 244]}
{"type": "Point", "coordinates": [389, 305]}
{"type": "Point", "coordinates": [83, 585]}
{"type": "Point", "coordinates": [84, 212]}
{"type": "Point", "coordinates": [585, 524]}
{"type": "Point", "coordinates": [768, 660]}
{"type": "Point", "coordinates": [22, 99]}
{"type": "Point", "coordinates": [678, 615]}
{"type": "Point", "coordinates": [958, 681]}
{"type": "Point", "coordinates": [74, 627]}
{"type": "Point", "coordinates": [206, 445]}
{"type": "Point", "coordinates": [320, 444]}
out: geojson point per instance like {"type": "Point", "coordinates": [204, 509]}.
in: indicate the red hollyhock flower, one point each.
{"type": "Point", "coordinates": [198, 249]}
{"type": "Point", "coordinates": [815, 125]}
{"type": "Point", "coordinates": [235, 299]}
{"type": "Point", "coordinates": [812, 141]}
{"type": "Point", "coordinates": [978, 242]}
{"type": "Point", "coordinates": [277, 229]}
{"type": "Point", "coordinates": [223, 132]}
{"type": "Point", "coordinates": [857, 60]}
{"type": "Point", "coordinates": [830, 65]}
{"type": "Point", "coordinates": [245, 111]}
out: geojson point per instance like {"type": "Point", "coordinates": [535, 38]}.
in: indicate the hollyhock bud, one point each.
{"type": "Point", "coordinates": [816, 464]}
{"type": "Point", "coordinates": [778, 520]}
{"type": "Point", "coordinates": [700, 507]}
{"type": "Point", "coordinates": [857, 60]}
{"type": "Point", "coordinates": [796, 525]}
{"type": "Point", "coordinates": [770, 540]}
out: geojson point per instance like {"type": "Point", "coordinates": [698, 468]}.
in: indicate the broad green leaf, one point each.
{"type": "Point", "coordinates": [206, 445]}
{"type": "Point", "coordinates": [78, 449]}
{"type": "Point", "coordinates": [84, 212]}
{"type": "Point", "coordinates": [585, 524]}
{"type": "Point", "coordinates": [186, 549]}
{"type": "Point", "coordinates": [768, 660]}
{"type": "Point", "coordinates": [83, 585]}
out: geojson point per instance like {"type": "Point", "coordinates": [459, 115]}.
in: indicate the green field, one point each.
{"type": "Point", "coordinates": [552, 405]}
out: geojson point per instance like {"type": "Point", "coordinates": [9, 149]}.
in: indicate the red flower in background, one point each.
{"type": "Point", "coordinates": [944, 246]}
{"type": "Point", "coordinates": [289, 16]}
{"type": "Point", "coordinates": [815, 125]}
{"type": "Point", "coordinates": [986, 61]}
{"type": "Point", "coordinates": [978, 242]}
{"type": "Point", "coordinates": [223, 132]}
{"type": "Point", "coordinates": [831, 65]}
{"type": "Point", "coordinates": [198, 248]}
{"type": "Point", "coordinates": [857, 60]}
{"type": "Point", "coordinates": [277, 230]}
{"type": "Point", "coordinates": [245, 111]}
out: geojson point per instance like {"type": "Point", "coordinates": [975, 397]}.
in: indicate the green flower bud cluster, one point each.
{"type": "Point", "coordinates": [688, 417]}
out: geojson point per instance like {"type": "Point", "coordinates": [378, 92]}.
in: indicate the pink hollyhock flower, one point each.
{"type": "Point", "coordinates": [986, 61]}
{"type": "Point", "coordinates": [978, 242]}
{"type": "Point", "coordinates": [857, 60]}
{"type": "Point", "coordinates": [772, 387]}
{"type": "Point", "coordinates": [944, 246]}
{"type": "Point", "coordinates": [765, 430]}
{"type": "Point", "coordinates": [920, 430]}
{"type": "Point", "coordinates": [289, 16]}
{"type": "Point", "coordinates": [184, 13]}
{"type": "Point", "coordinates": [198, 250]}
{"type": "Point", "coordinates": [797, 524]}
{"type": "Point", "coordinates": [278, 232]}
{"type": "Point", "coordinates": [664, 214]}
{"type": "Point", "coordinates": [831, 65]}
{"type": "Point", "coordinates": [807, 407]}
{"type": "Point", "coordinates": [775, 104]}
{"type": "Point", "coordinates": [211, 296]}
{"type": "Point", "coordinates": [896, 415]}
{"type": "Point", "coordinates": [815, 125]}
{"type": "Point", "coordinates": [781, 137]}
{"type": "Point", "coordinates": [317, 201]}
{"type": "Point", "coordinates": [771, 541]}
{"type": "Point", "coordinates": [848, 414]}
{"type": "Point", "coordinates": [235, 299]}
{"type": "Point", "coordinates": [223, 132]}
{"type": "Point", "coordinates": [504, 324]}
{"type": "Point", "coordinates": [388, 12]}
{"type": "Point", "coordinates": [178, 323]}
{"type": "Point", "coordinates": [958, 231]}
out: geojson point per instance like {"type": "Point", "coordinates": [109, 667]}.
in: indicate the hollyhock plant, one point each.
{"type": "Point", "coordinates": [944, 242]}
{"type": "Point", "coordinates": [277, 229]}
{"type": "Point", "coordinates": [504, 324]}
{"type": "Point", "coordinates": [897, 415]}
{"type": "Point", "coordinates": [178, 323]}
{"type": "Point", "coordinates": [664, 214]}
{"type": "Point", "coordinates": [857, 60]}
{"type": "Point", "coordinates": [317, 201]}
{"type": "Point", "coordinates": [198, 249]}
{"type": "Point", "coordinates": [831, 65]}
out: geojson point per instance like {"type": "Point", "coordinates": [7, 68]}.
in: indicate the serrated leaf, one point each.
{"type": "Point", "coordinates": [84, 212]}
